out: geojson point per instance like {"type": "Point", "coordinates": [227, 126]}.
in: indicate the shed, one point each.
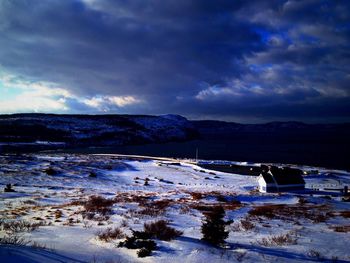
{"type": "Point", "coordinates": [275, 179]}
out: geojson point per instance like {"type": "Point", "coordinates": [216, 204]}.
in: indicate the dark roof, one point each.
{"type": "Point", "coordinates": [287, 175]}
{"type": "Point", "coordinates": [267, 177]}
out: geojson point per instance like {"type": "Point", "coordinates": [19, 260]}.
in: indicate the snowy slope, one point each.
{"type": "Point", "coordinates": [185, 188]}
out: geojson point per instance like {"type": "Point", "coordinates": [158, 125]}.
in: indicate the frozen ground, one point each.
{"type": "Point", "coordinates": [50, 190]}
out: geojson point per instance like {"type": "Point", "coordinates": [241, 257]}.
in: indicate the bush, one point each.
{"type": "Point", "coordinates": [50, 171]}
{"type": "Point", "coordinates": [161, 230]}
{"type": "Point", "coordinates": [139, 240]}
{"type": "Point", "coordinates": [92, 175]}
{"type": "Point", "coordinates": [143, 252]}
{"type": "Point", "coordinates": [99, 204]}
{"type": "Point", "coordinates": [141, 235]}
{"type": "Point", "coordinates": [110, 233]}
{"type": "Point", "coordinates": [213, 228]}
{"type": "Point", "coordinates": [9, 188]}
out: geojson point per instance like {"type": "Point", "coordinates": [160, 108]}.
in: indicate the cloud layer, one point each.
{"type": "Point", "coordinates": [236, 60]}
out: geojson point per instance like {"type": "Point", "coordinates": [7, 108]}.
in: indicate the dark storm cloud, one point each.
{"type": "Point", "coordinates": [227, 59]}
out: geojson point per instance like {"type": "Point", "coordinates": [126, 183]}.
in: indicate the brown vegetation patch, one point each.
{"type": "Point", "coordinates": [207, 207]}
{"type": "Point", "coordinates": [345, 214]}
{"type": "Point", "coordinates": [99, 204]}
{"type": "Point", "coordinates": [315, 213]}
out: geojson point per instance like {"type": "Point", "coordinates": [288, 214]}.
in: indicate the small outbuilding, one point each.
{"type": "Point", "coordinates": [275, 179]}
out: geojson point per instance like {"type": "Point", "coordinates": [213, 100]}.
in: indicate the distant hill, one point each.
{"type": "Point", "coordinates": [52, 131]}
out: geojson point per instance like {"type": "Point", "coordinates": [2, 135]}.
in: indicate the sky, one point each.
{"type": "Point", "coordinates": [246, 61]}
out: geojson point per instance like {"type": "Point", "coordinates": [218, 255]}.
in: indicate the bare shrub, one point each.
{"type": "Point", "coordinates": [277, 240]}
{"type": "Point", "coordinates": [196, 195]}
{"type": "Point", "coordinates": [14, 240]}
{"type": "Point", "coordinates": [246, 225]}
{"type": "Point", "coordinates": [110, 233]}
{"type": "Point", "coordinates": [88, 215]}
{"type": "Point", "coordinates": [99, 204]}
{"type": "Point", "coordinates": [342, 229]}
{"type": "Point", "coordinates": [58, 214]}
{"type": "Point", "coordinates": [20, 226]}
{"type": "Point", "coordinates": [161, 230]}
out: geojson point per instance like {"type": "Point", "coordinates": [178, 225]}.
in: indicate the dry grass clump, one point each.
{"type": "Point", "coordinates": [99, 204]}
{"type": "Point", "coordinates": [278, 240]}
{"type": "Point", "coordinates": [160, 230]}
{"type": "Point", "coordinates": [315, 213]}
{"type": "Point", "coordinates": [110, 234]}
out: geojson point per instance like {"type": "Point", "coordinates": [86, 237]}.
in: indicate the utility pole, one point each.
{"type": "Point", "coordinates": [196, 155]}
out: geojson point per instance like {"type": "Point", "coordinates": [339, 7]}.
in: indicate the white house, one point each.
{"type": "Point", "coordinates": [274, 179]}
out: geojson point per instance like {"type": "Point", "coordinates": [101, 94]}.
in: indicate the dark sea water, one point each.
{"type": "Point", "coordinates": [331, 155]}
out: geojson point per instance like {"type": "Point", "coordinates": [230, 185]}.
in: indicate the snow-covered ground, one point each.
{"type": "Point", "coordinates": [51, 190]}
